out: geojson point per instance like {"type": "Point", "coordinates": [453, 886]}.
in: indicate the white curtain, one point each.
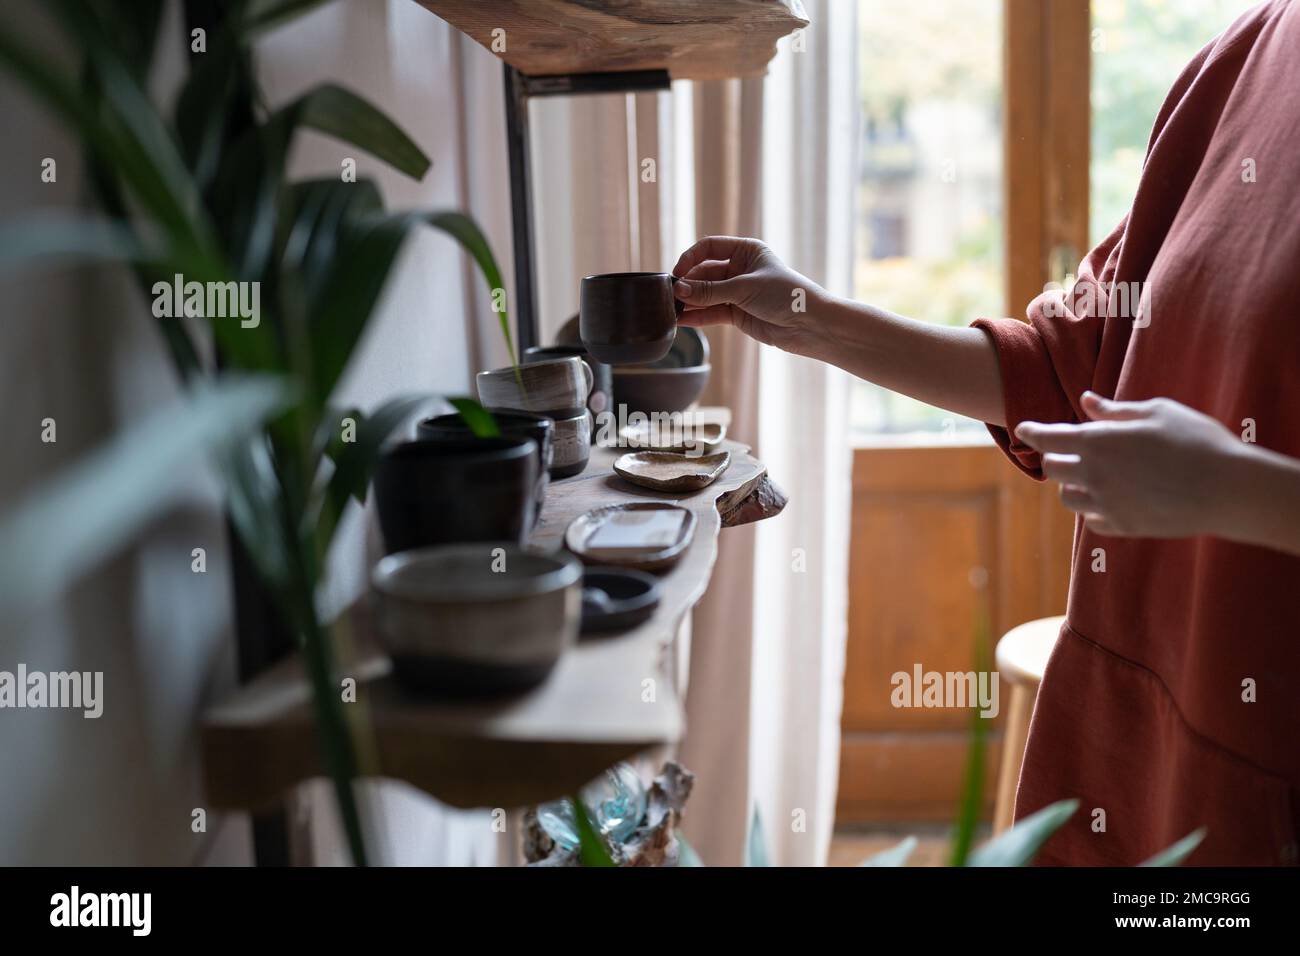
{"type": "Point", "coordinates": [774, 158]}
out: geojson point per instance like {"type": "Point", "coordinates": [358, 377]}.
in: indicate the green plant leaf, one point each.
{"type": "Point", "coordinates": [465, 231]}
{"type": "Point", "coordinates": [972, 793]}
{"type": "Point", "coordinates": [592, 850]}
{"type": "Point", "coordinates": [1174, 854]}
{"type": "Point", "coordinates": [478, 418]}
{"type": "Point", "coordinates": [79, 517]}
{"type": "Point", "coordinates": [686, 855]}
{"type": "Point", "coordinates": [354, 461]}
{"type": "Point", "coordinates": [1018, 845]}
{"type": "Point", "coordinates": [756, 844]}
{"type": "Point", "coordinates": [895, 856]}
{"type": "Point", "coordinates": [340, 113]}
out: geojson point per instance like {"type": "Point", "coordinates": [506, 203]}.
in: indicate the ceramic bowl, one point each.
{"type": "Point", "coordinates": [671, 384]}
{"type": "Point", "coordinates": [557, 387]}
{"type": "Point", "coordinates": [512, 425]}
{"type": "Point", "coordinates": [628, 318]}
{"type": "Point", "coordinates": [447, 490]}
{"type": "Point", "coordinates": [615, 599]}
{"type": "Point", "coordinates": [475, 619]}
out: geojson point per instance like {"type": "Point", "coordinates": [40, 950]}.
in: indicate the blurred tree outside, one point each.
{"type": "Point", "coordinates": [930, 178]}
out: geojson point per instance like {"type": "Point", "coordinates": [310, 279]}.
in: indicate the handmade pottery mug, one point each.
{"type": "Point", "coordinates": [600, 399]}
{"type": "Point", "coordinates": [447, 490]}
{"type": "Point", "coordinates": [628, 318]}
{"type": "Point", "coordinates": [572, 445]}
{"type": "Point", "coordinates": [557, 387]}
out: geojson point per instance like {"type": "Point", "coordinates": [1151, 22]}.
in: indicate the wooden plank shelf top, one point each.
{"type": "Point", "coordinates": [592, 711]}
{"type": "Point", "coordinates": [688, 38]}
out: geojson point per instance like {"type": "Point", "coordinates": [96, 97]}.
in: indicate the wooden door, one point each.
{"type": "Point", "coordinates": [946, 531]}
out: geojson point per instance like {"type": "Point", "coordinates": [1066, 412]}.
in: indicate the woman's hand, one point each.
{"type": "Point", "coordinates": [724, 280]}
{"type": "Point", "coordinates": [1154, 469]}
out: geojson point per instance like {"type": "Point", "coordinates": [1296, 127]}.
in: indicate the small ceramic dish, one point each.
{"type": "Point", "coordinates": [680, 436]}
{"type": "Point", "coordinates": [643, 535]}
{"type": "Point", "coordinates": [671, 470]}
{"type": "Point", "coordinates": [616, 599]}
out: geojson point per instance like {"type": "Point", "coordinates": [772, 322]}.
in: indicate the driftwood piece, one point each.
{"type": "Point", "coordinates": [653, 843]}
{"type": "Point", "coordinates": [763, 498]}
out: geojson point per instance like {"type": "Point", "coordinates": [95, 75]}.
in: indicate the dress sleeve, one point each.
{"type": "Point", "coordinates": [1048, 362]}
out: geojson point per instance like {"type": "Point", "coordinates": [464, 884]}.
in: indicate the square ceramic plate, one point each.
{"type": "Point", "coordinates": [672, 471]}
{"type": "Point", "coordinates": [655, 554]}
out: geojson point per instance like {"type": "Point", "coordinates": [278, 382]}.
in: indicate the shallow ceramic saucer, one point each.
{"type": "Point", "coordinates": [687, 437]}
{"type": "Point", "coordinates": [672, 471]}
{"type": "Point", "coordinates": [651, 557]}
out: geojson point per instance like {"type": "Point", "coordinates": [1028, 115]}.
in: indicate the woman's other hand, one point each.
{"type": "Point", "coordinates": [1153, 469]}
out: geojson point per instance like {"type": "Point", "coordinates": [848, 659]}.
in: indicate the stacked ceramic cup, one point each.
{"type": "Point", "coordinates": [557, 388]}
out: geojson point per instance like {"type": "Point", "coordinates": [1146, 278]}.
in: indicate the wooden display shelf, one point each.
{"type": "Point", "coordinates": [687, 38]}
{"type": "Point", "coordinates": [590, 713]}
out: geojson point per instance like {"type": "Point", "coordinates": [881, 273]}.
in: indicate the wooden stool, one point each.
{"type": "Point", "coordinates": [1021, 659]}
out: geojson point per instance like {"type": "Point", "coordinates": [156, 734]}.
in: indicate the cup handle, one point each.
{"type": "Point", "coordinates": [590, 376]}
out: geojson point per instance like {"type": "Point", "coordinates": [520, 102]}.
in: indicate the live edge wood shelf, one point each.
{"type": "Point", "coordinates": [689, 39]}
{"type": "Point", "coordinates": [590, 713]}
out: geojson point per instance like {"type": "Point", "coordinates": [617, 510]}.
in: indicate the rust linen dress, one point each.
{"type": "Point", "coordinates": [1146, 710]}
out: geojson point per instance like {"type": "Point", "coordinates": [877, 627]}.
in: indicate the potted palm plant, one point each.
{"type": "Point", "coordinates": [197, 198]}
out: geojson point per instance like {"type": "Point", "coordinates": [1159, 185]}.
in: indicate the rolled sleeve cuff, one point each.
{"type": "Point", "coordinates": [1031, 390]}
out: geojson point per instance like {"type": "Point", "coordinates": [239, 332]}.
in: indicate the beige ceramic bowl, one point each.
{"type": "Point", "coordinates": [476, 618]}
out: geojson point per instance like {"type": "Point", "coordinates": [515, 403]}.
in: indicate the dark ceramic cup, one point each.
{"type": "Point", "coordinates": [628, 318]}
{"type": "Point", "coordinates": [602, 378]}
{"type": "Point", "coordinates": [513, 425]}
{"type": "Point", "coordinates": [448, 490]}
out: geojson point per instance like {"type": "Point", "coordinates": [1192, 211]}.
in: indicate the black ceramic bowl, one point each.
{"type": "Point", "coordinates": [448, 490]}
{"type": "Point", "coordinates": [513, 425]}
{"type": "Point", "coordinates": [627, 598]}
{"type": "Point", "coordinates": [673, 383]}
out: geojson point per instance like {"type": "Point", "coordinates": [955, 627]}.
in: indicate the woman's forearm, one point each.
{"type": "Point", "coordinates": [952, 368]}
{"type": "Point", "coordinates": [1261, 503]}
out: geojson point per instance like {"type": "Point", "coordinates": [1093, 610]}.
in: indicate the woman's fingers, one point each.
{"type": "Point", "coordinates": [1105, 409]}
{"type": "Point", "coordinates": [1067, 439]}
{"type": "Point", "coordinates": [1078, 500]}
{"type": "Point", "coordinates": [1067, 469]}
{"type": "Point", "coordinates": [713, 315]}
{"type": "Point", "coordinates": [701, 293]}
{"type": "Point", "coordinates": [710, 247]}
{"type": "Point", "coordinates": [711, 270]}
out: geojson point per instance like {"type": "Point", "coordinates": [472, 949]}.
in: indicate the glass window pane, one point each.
{"type": "Point", "coordinates": [930, 182]}
{"type": "Point", "coordinates": [1138, 49]}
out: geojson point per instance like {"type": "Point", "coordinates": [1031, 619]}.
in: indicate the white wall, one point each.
{"type": "Point", "coordinates": [79, 346]}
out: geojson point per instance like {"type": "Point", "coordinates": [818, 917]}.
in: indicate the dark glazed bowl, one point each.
{"type": "Point", "coordinates": [448, 490]}
{"type": "Point", "coordinates": [513, 425]}
{"type": "Point", "coordinates": [628, 318]}
{"type": "Point", "coordinates": [673, 383]}
{"type": "Point", "coordinates": [628, 598]}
